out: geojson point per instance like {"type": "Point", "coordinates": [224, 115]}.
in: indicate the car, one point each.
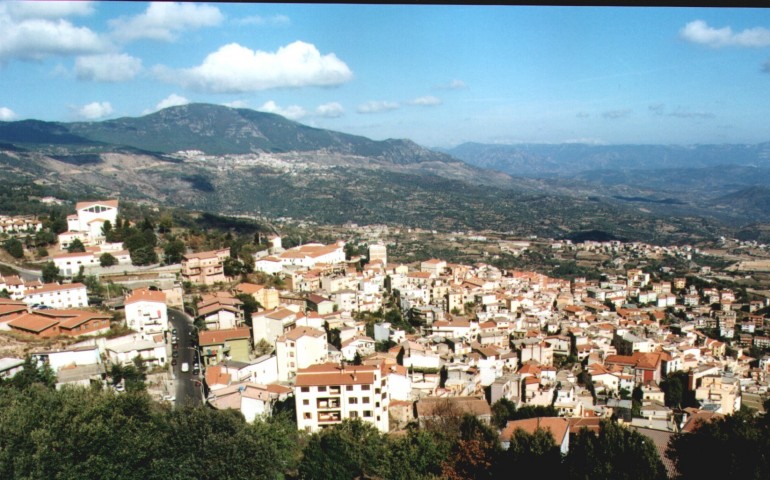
{"type": "Point", "coordinates": [185, 367]}
{"type": "Point", "coordinates": [173, 362]}
{"type": "Point", "coordinates": [175, 346]}
{"type": "Point", "coordinates": [175, 353]}
{"type": "Point", "coordinates": [173, 332]}
{"type": "Point", "coordinates": [196, 369]}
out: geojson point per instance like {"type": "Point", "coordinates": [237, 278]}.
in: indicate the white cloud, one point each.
{"type": "Point", "coordinates": [110, 67]}
{"type": "Point", "coordinates": [330, 110]}
{"type": "Point", "coordinates": [164, 21]}
{"type": "Point", "coordinates": [699, 31]}
{"type": "Point", "coordinates": [172, 100]}
{"type": "Point", "coordinates": [6, 114]}
{"type": "Point", "coordinates": [58, 9]}
{"type": "Point", "coordinates": [453, 85]}
{"type": "Point", "coordinates": [37, 38]}
{"type": "Point", "coordinates": [237, 104]}
{"type": "Point", "coordinates": [273, 20]}
{"type": "Point", "coordinates": [376, 106]}
{"type": "Point", "coordinates": [95, 110]}
{"type": "Point", "coordinates": [237, 69]}
{"type": "Point", "coordinates": [427, 101]}
{"type": "Point", "coordinates": [292, 112]}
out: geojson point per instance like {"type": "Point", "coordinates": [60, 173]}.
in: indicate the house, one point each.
{"type": "Point", "coordinates": [311, 254]}
{"type": "Point", "coordinates": [262, 370]}
{"type": "Point", "coordinates": [50, 323]}
{"type": "Point", "coordinates": [267, 297]}
{"type": "Point", "coordinates": [220, 311]}
{"type": "Point", "coordinates": [557, 426]}
{"type": "Point", "coordinates": [88, 222]}
{"type": "Point", "coordinates": [299, 348]}
{"type": "Point", "coordinates": [10, 309]}
{"type": "Point", "coordinates": [73, 356]}
{"type": "Point", "coordinates": [231, 344]}
{"type": "Point", "coordinates": [320, 304]}
{"type": "Point", "coordinates": [720, 394]}
{"type": "Point", "coordinates": [123, 350]}
{"type": "Point", "coordinates": [10, 367]}
{"type": "Point", "coordinates": [251, 399]}
{"type": "Point", "coordinates": [146, 312]}
{"type": "Point", "coordinates": [327, 394]}
{"type": "Point", "coordinates": [54, 295]}
{"type": "Point", "coordinates": [363, 346]}
{"type": "Point", "coordinates": [270, 325]}
{"type": "Point", "coordinates": [645, 366]}
{"type": "Point", "coordinates": [205, 268]}
{"type": "Point", "coordinates": [431, 409]}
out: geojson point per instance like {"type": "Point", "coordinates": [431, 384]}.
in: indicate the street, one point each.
{"type": "Point", "coordinates": [188, 386]}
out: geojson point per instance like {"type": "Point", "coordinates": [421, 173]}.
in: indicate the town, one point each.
{"type": "Point", "coordinates": [343, 332]}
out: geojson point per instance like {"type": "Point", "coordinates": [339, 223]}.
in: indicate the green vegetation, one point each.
{"type": "Point", "coordinates": [14, 248]}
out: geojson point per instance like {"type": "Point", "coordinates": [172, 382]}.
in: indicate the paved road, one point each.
{"type": "Point", "coordinates": [187, 391]}
{"type": "Point", "coordinates": [25, 273]}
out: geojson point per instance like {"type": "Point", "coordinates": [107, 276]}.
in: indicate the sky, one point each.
{"type": "Point", "coordinates": [440, 75]}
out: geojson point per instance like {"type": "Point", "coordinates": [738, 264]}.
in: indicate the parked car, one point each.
{"type": "Point", "coordinates": [173, 362]}
{"type": "Point", "coordinates": [185, 367]}
{"type": "Point", "coordinates": [196, 368]}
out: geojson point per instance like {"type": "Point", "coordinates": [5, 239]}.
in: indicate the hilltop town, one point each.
{"type": "Point", "coordinates": [348, 333]}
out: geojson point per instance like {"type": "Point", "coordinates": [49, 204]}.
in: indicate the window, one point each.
{"type": "Point", "coordinates": [352, 400]}
{"type": "Point", "coordinates": [366, 387]}
{"type": "Point", "coordinates": [365, 400]}
{"type": "Point", "coordinates": [321, 389]}
{"type": "Point", "coordinates": [305, 389]}
{"type": "Point", "coordinates": [306, 402]}
{"type": "Point", "coordinates": [349, 388]}
{"type": "Point", "coordinates": [353, 414]}
{"type": "Point", "coordinates": [307, 416]}
{"type": "Point", "coordinates": [367, 413]}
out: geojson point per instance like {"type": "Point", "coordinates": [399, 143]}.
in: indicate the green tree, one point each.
{"type": "Point", "coordinates": [616, 452]}
{"type": "Point", "coordinates": [537, 452]}
{"type": "Point", "coordinates": [250, 305]}
{"type": "Point", "coordinates": [14, 248]}
{"type": "Point", "coordinates": [76, 246]}
{"type": "Point", "coordinates": [50, 273]}
{"type": "Point", "coordinates": [421, 451]}
{"type": "Point", "coordinates": [144, 255]}
{"type": "Point", "coordinates": [503, 411]}
{"type": "Point", "coordinates": [348, 450]}
{"type": "Point", "coordinates": [173, 251]}
{"type": "Point", "coordinates": [107, 260]}
{"type": "Point", "coordinates": [32, 374]}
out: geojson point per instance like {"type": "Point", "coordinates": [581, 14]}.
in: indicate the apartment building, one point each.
{"type": "Point", "coordinates": [327, 394]}
{"type": "Point", "coordinates": [205, 268]}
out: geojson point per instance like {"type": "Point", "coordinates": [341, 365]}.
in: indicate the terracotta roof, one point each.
{"type": "Point", "coordinates": [296, 333]}
{"type": "Point", "coordinates": [53, 287]}
{"type": "Point", "coordinates": [82, 318]}
{"type": "Point", "coordinates": [145, 295]}
{"type": "Point", "coordinates": [215, 375]}
{"type": "Point", "coordinates": [331, 374]}
{"type": "Point", "coordinates": [216, 337]}
{"type": "Point", "coordinates": [8, 309]}
{"type": "Point", "coordinates": [33, 322]}
{"type": "Point", "coordinates": [559, 427]}
{"type": "Point", "coordinates": [202, 255]}
{"type": "Point", "coordinates": [249, 288]}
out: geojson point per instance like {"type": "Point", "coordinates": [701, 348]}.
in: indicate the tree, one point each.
{"type": "Point", "coordinates": [474, 455]}
{"type": "Point", "coordinates": [351, 449]}
{"type": "Point", "coordinates": [107, 260]}
{"type": "Point", "coordinates": [503, 411]}
{"type": "Point", "coordinates": [173, 251]}
{"type": "Point", "coordinates": [76, 246]}
{"type": "Point", "coordinates": [14, 247]}
{"type": "Point", "coordinates": [423, 452]}
{"type": "Point", "coordinates": [536, 452]}
{"type": "Point", "coordinates": [616, 452]}
{"type": "Point", "coordinates": [144, 255]}
{"type": "Point", "coordinates": [50, 273]}
{"type": "Point", "coordinates": [32, 374]}
{"type": "Point", "coordinates": [250, 305]}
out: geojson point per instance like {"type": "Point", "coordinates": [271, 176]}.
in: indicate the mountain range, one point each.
{"type": "Point", "coordinates": [239, 161]}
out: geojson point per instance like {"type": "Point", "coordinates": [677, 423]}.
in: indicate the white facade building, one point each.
{"type": "Point", "coordinates": [146, 312]}
{"type": "Point", "coordinates": [53, 295]}
{"type": "Point", "coordinates": [299, 348]}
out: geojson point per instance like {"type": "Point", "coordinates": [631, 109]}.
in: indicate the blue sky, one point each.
{"type": "Point", "coordinates": [439, 75]}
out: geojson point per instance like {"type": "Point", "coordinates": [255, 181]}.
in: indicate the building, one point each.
{"type": "Point", "coordinates": [557, 426]}
{"type": "Point", "coordinates": [327, 394]}
{"type": "Point", "coordinates": [267, 297]}
{"type": "Point", "coordinates": [53, 295]}
{"type": "Point", "coordinates": [146, 312]}
{"type": "Point", "coordinates": [230, 344]}
{"type": "Point", "coordinates": [378, 252]}
{"type": "Point", "coordinates": [206, 268]}
{"type": "Point", "coordinates": [51, 323]}
{"type": "Point", "coordinates": [299, 348]}
{"type": "Point", "coordinates": [88, 221]}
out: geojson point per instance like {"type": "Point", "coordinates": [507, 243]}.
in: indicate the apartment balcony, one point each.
{"type": "Point", "coordinates": [329, 417]}
{"type": "Point", "coordinates": [328, 403]}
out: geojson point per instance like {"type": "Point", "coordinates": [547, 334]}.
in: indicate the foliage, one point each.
{"type": "Point", "coordinates": [32, 374]}
{"type": "Point", "coordinates": [107, 260]}
{"type": "Point", "coordinates": [616, 452]}
{"type": "Point", "coordinates": [14, 247]}
{"type": "Point", "coordinates": [421, 451]}
{"type": "Point", "coordinates": [735, 446]}
{"type": "Point", "coordinates": [677, 395]}
{"type": "Point", "coordinates": [536, 451]}
{"type": "Point", "coordinates": [133, 376]}
{"type": "Point", "coordinates": [144, 255]}
{"type": "Point", "coordinates": [250, 305]}
{"type": "Point", "coordinates": [350, 450]}
{"type": "Point", "coordinates": [76, 246]}
{"type": "Point", "coordinates": [173, 251]}
{"type": "Point", "coordinates": [50, 273]}
{"type": "Point", "coordinates": [503, 411]}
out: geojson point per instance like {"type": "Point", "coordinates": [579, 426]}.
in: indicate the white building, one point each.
{"type": "Point", "coordinates": [87, 223]}
{"type": "Point", "coordinates": [299, 348]}
{"type": "Point", "coordinates": [123, 351]}
{"type": "Point", "coordinates": [328, 394]}
{"type": "Point", "coordinates": [146, 312]}
{"type": "Point", "coordinates": [53, 295]}
{"type": "Point", "coordinates": [378, 252]}
{"type": "Point", "coordinates": [69, 263]}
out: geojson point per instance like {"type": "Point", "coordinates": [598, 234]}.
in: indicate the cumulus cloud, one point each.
{"type": "Point", "coordinates": [330, 110]}
{"type": "Point", "coordinates": [427, 101]}
{"type": "Point", "coordinates": [164, 21]}
{"type": "Point", "coordinates": [615, 114]}
{"type": "Point", "coordinates": [292, 112]}
{"type": "Point", "coordinates": [95, 110]}
{"type": "Point", "coordinates": [6, 114]}
{"type": "Point", "coordinates": [377, 106]}
{"type": "Point", "coordinates": [700, 32]}
{"type": "Point", "coordinates": [237, 69]}
{"type": "Point", "coordinates": [172, 100]}
{"type": "Point", "coordinates": [59, 9]}
{"type": "Point", "coordinates": [109, 67]}
{"type": "Point", "coordinates": [37, 38]}
{"type": "Point", "coordinates": [272, 20]}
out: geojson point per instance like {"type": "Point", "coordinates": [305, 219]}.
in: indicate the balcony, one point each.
{"type": "Point", "coordinates": [335, 390]}
{"type": "Point", "coordinates": [329, 417]}
{"type": "Point", "coordinates": [328, 403]}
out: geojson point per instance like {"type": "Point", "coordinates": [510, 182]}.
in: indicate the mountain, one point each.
{"type": "Point", "coordinates": [238, 161]}
{"type": "Point", "coordinates": [542, 160]}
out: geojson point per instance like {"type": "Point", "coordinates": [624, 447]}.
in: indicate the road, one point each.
{"type": "Point", "coordinates": [25, 273]}
{"type": "Point", "coordinates": [188, 386]}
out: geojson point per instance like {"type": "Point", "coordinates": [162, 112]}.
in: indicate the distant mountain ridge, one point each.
{"type": "Point", "coordinates": [543, 160]}
{"type": "Point", "coordinates": [214, 130]}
